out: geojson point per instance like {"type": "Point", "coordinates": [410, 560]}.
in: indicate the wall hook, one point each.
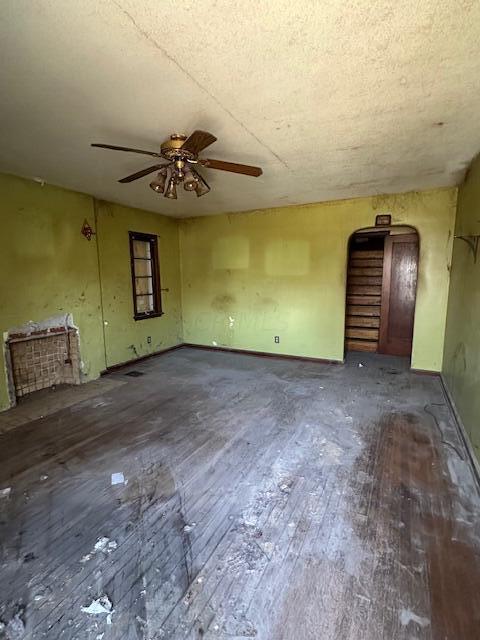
{"type": "Point", "coordinates": [472, 242]}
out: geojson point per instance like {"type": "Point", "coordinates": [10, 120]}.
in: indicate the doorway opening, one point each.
{"type": "Point", "coordinates": [381, 290]}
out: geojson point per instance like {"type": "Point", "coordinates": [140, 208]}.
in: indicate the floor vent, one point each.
{"type": "Point", "coordinates": [134, 374]}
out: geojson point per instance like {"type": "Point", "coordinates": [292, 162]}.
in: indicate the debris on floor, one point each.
{"type": "Point", "coordinates": [282, 543]}
{"type": "Point", "coordinates": [103, 545]}
{"type": "Point", "coordinates": [41, 592]}
{"type": "Point", "coordinates": [286, 487]}
{"type": "Point", "coordinates": [5, 493]}
{"type": "Point", "coordinates": [15, 628]}
{"type": "Point", "coordinates": [141, 621]}
{"type": "Point", "coordinates": [118, 478]}
{"type": "Point", "coordinates": [99, 606]}
{"type": "Point", "coordinates": [407, 616]}
{"type": "Point", "coordinates": [43, 478]}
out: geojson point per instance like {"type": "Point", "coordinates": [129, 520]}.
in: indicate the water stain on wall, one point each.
{"type": "Point", "coordinates": [222, 302]}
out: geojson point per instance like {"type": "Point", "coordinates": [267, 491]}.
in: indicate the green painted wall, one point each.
{"type": "Point", "coordinates": [247, 277]}
{"type": "Point", "coordinates": [462, 338]}
{"type": "Point", "coordinates": [48, 268]}
{"type": "Point", "coordinates": [126, 338]}
{"type": "Point", "coordinates": [238, 279]}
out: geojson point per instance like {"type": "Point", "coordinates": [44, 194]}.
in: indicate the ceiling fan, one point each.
{"type": "Point", "coordinates": [181, 152]}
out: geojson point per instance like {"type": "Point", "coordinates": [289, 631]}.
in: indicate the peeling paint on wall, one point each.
{"type": "Point", "coordinates": [64, 321]}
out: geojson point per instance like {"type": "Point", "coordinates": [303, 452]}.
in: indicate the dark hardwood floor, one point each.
{"type": "Point", "coordinates": [263, 498]}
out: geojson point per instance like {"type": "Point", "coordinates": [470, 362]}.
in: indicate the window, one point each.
{"type": "Point", "coordinates": [145, 275]}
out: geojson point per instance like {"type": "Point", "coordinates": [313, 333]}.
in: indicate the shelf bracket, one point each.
{"type": "Point", "coordinates": [472, 242]}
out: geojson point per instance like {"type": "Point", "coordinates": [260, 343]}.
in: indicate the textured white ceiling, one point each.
{"type": "Point", "coordinates": [333, 98]}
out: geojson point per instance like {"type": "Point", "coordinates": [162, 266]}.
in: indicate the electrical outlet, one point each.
{"type": "Point", "coordinates": [149, 339]}
{"type": "Point", "coordinates": [277, 339]}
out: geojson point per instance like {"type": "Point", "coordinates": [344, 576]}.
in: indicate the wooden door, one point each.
{"type": "Point", "coordinates": [399, 287]}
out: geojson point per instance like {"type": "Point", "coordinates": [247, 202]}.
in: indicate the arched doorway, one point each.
{"type": "Point", "coordinates": [381, 290]}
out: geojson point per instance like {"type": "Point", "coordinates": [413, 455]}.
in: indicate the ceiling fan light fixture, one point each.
{"type": "Point", "coordinates": [191, 180]}
{"type": "Point", "coordinates": [171, 191]}
{"type": "Point", "coordinates": [179, 170]}
{"type": "Point", "coordinates": [202, 187]}
{"type": "Point", "coordinates": [158, 185]}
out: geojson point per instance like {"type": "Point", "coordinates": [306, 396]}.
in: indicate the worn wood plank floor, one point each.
{"type": "Point", "coordinates": [263, 498]}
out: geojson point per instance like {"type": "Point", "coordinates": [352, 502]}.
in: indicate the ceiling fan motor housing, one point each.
{"type": "Point", "coordinates": [171, 149]}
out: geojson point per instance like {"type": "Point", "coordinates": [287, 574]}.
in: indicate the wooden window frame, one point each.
{"type": "Point", "coordinates": [157, 298]}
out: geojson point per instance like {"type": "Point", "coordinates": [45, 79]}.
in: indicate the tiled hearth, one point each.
{"type": "Point", "coordinates": [44, 358]}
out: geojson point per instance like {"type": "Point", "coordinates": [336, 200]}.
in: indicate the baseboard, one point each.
{"type": "Point", "coordinates": [426, 372]}
{"type": "Point", "coordinates": [261, 354]}
{"type": "Point", "coordinates": [461, 429]}
{"type": "Point", "coordinates": [247, 352]}
{"type": "Point", "coordinates": [129, 363]}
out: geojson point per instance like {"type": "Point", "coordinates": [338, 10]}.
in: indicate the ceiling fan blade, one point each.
{"type": "Point", "coordinates": [198, 141]}
{"type": "Point", "coordinates": [143, 172]}
{"type": "Point", "coordinates": [245, 169]}
{"type": "Point", "coordinates": [115, 148]}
